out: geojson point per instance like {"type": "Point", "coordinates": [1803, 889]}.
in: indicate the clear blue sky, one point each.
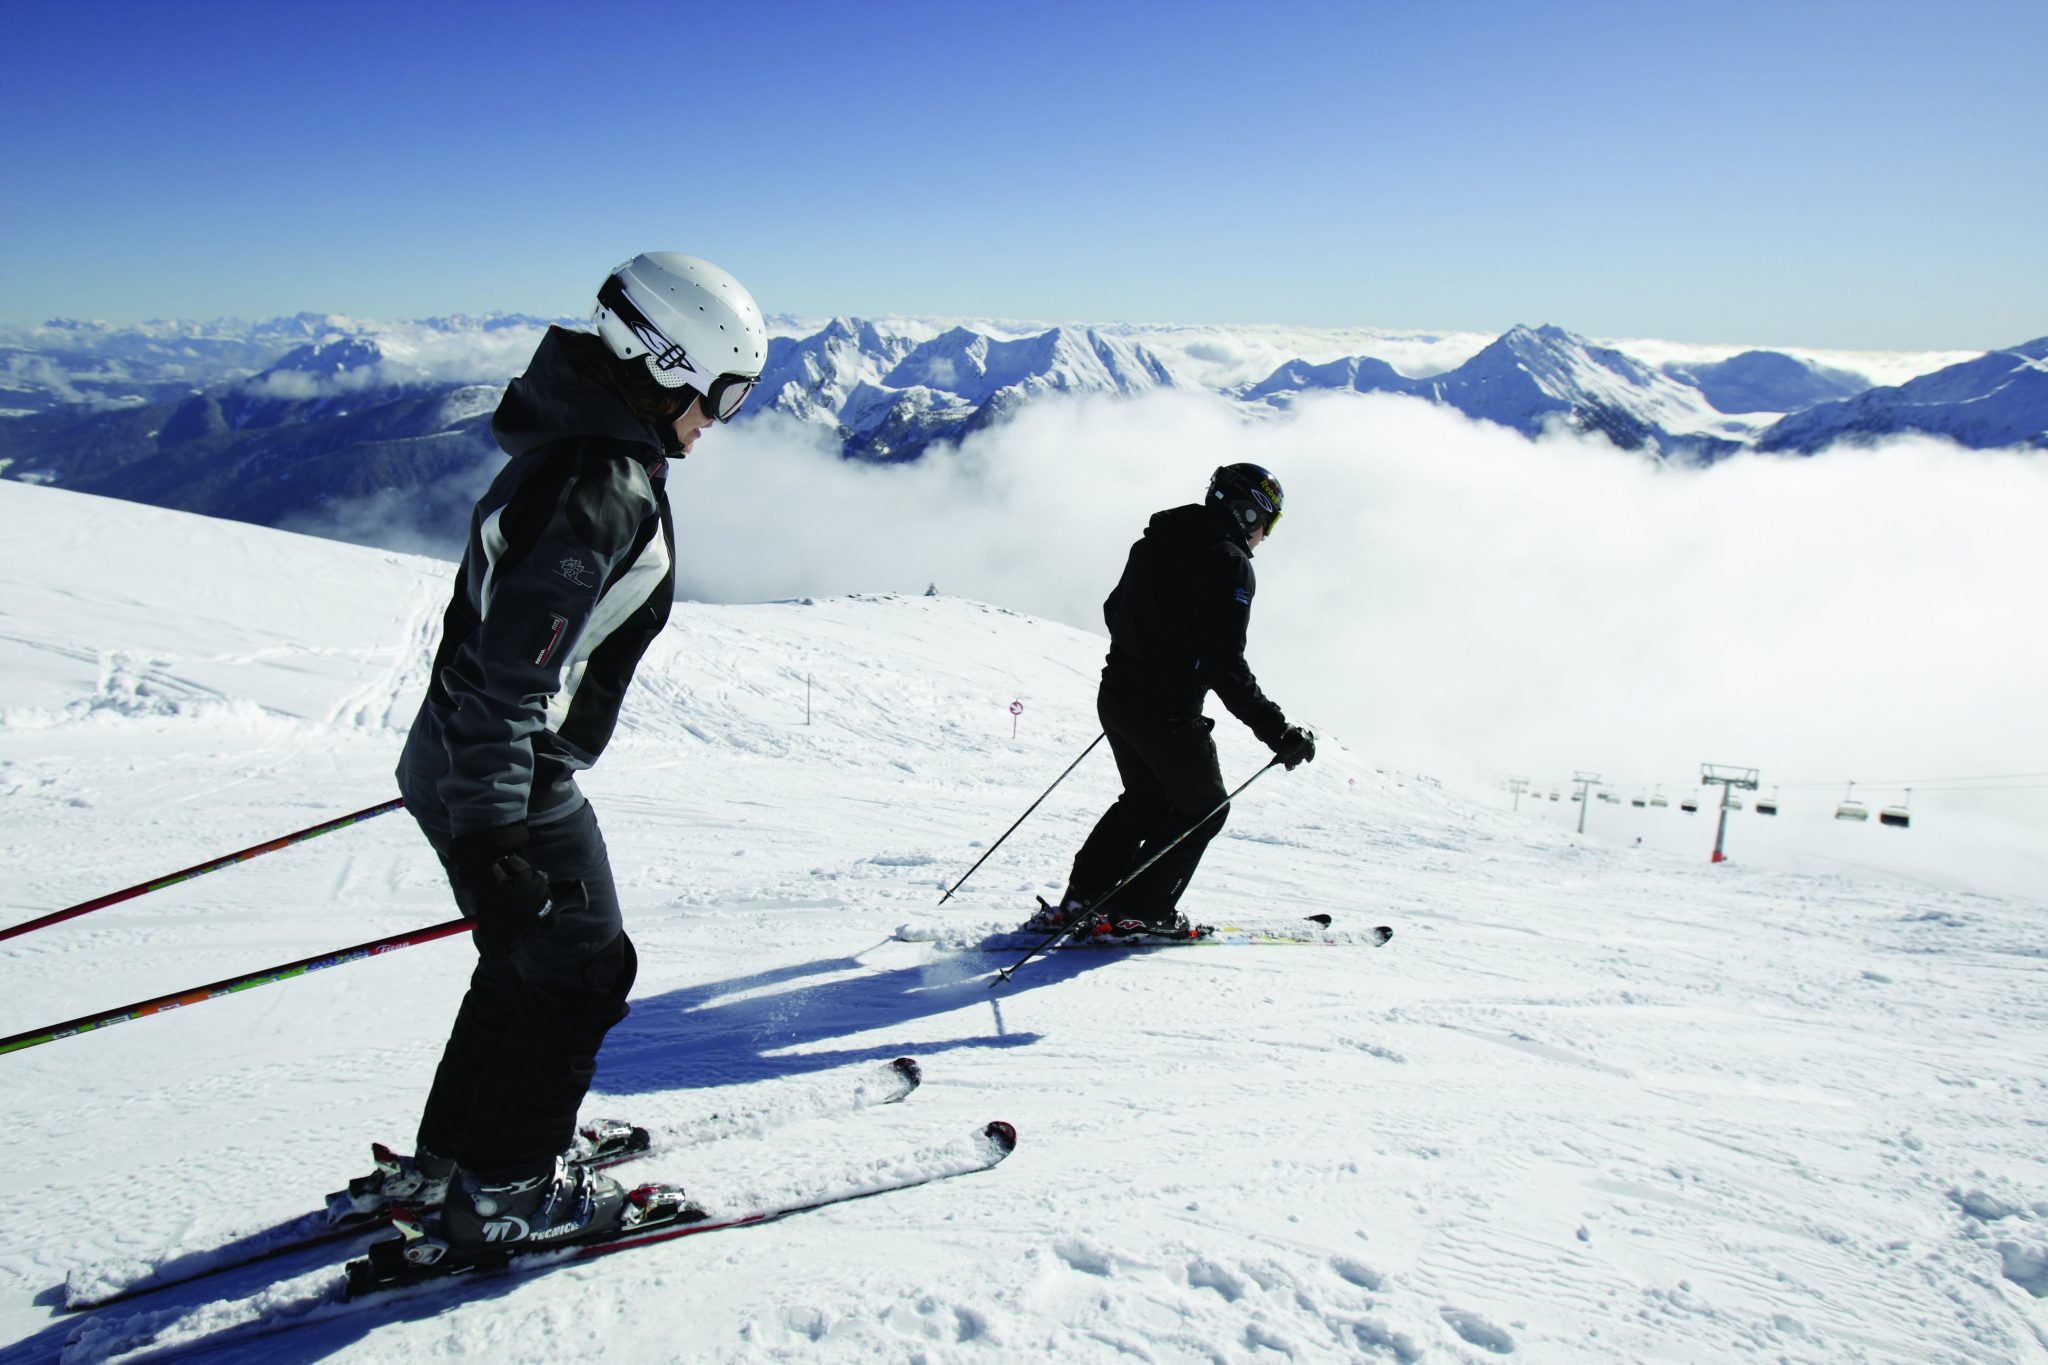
{"type": "Point", "coordinates": [1868, 174]}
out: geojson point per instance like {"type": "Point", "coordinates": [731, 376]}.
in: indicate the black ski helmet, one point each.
{"type": "Point", "coordinates": [1249, 494]}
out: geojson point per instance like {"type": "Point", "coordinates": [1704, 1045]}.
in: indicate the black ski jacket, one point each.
{"type": "Point", "coordinates": [567, 577]}
{"type": "Point", "coordinates": [1177, 621]}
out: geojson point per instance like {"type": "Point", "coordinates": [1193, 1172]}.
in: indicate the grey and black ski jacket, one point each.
{"type": "Point", "coordinates": [567, 577]}
{"type": "Point", "coordinates": [1177, 621]}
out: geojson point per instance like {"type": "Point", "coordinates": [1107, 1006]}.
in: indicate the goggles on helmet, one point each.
{"type": "Point", "coordinates": [1265, 496]}
{"type": "Point", "coordinates": [722, 395]}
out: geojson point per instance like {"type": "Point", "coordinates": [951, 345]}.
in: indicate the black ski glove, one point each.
{"type": "Point", "coordinates": [1295, 747]}
{"type": "Point", "coordinates": [506, 896]}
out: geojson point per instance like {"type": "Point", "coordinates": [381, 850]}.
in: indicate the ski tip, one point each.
{"type": "Point", "coordinates": [1002, 1135]}
{"type": "Point", "coordinates": [1323, 920]}
{"type": "Point", "coordinates": [1381, 933]}
{"type": "Point", "coordinates": [909, 1070]}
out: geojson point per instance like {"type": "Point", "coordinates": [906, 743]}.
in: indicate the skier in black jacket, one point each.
{"type": "Point", "coordinates": [1177, 623]}
{"type": "Point", "coordinates": [568, 576]}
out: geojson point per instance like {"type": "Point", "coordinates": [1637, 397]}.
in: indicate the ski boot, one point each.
{"type": "Point", "coordinates": [421, 1251]}
{"type": "Point", "coordinates": [1051, 919]}
{"type": "Point", "coordinates": [561, 1204]}
{"type": "Point", "coordinates": [419, 1181]}
{"type": "Point", "coordinates": [1170, 927]}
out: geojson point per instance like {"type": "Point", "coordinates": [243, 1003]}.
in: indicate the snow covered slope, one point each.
{"type": "Point", "coordinates": [1592, 1103]}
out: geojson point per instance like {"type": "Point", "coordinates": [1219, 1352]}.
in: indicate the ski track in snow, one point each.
{"type": "Point", "coordinates": [1592, 1103]}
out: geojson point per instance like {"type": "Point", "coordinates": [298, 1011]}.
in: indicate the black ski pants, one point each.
{"type": "Point", "coordinates": [1171, 780]}
{"type": "Point", "coordinates": [525, 1041]}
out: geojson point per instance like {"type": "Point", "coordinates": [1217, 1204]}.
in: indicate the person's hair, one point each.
{"type": "Point", "coordinates": [650, 402]}
{"type": "Point", "coordinates": [632, 381]}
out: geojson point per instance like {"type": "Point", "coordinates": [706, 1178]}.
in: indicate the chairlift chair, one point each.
{"type": "Point", "coordinates": [1768, 805]}
{"type": "Point", "coordinates": [1659, 799]}
{"type": "Point", "coordinates": [1851, 808]}
{"type": "Point", "coordinates": [1689, 806]}
{"type": "Point", "coordinates": [1638, 802]}
{"type": "Point", "coordinates": [1899, 816]}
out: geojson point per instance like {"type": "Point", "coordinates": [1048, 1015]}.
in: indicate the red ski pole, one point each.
{"type": "Point", "coordinates": [200, 994]}
{"type": "Point", "coordinates": [284, 841]}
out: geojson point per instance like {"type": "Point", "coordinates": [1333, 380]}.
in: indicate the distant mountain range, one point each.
{"type": "Point", "coordinates": [890, 399]}
{"type": "Point", "coordinates": [291, 421]}
{"type": "Point", "coordinates": [1532, 377]}
{"type": "Point", "coordinates": [1998, 399]}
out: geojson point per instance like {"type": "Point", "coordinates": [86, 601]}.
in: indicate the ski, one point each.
{"type": "Point", "coordinates": [656, 1213]}
{"type": "Point", "coordinates": [359, 1211]}
{"type": "Point", "coordinates": [408, 1265]}
{"type": "Point", "coordinates": [998, 938]}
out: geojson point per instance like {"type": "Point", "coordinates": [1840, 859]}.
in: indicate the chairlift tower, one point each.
{"type": "Point", "coordinates": [1518, 785]}
{"type": "Point", "coordinates": [1586, 781]}
{"type": "Point", "coordinates": [1728, 780]}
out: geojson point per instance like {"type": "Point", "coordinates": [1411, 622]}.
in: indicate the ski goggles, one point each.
{"type": "Point", "coordinates": [722, 396]}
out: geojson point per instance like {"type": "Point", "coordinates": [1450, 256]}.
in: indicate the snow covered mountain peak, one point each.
{"type": "Point", "coordinates": [329, 356]}
{"type": "Point", "coordinates": [1530, 378]}
{"type": "Point", "coordinates": [1999, 398]}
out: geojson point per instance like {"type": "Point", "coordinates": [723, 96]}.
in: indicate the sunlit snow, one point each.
{"type": "Point", "coordinates": [1593, 1102]}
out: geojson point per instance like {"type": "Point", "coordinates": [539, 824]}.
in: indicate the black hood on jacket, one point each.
{"type": "Point", "coordinates": [1197, 523]}
{"type": "Point", "coordinates": [560, 396]}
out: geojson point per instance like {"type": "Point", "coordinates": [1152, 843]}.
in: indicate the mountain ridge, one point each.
{"type": "Point", "coordinates": [276, 422]}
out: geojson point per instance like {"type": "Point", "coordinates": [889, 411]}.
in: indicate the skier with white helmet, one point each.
{"type": "Point", "coordinates": [567, 577]}
{"type": "Point", "coordinates": [1177, 622]}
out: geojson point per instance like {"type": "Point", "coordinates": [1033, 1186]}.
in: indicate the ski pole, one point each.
{"type": "Point", "coordinates": [1003, 973]}
{"type": "Point", "coordinates": [283, 841]}
{"type": "Point", "coordinates": [201, 994]}
{"type": "Point", "coordinates": [1020, 820]}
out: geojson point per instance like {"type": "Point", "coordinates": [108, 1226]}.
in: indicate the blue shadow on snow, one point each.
{"type": "Point", "coordinates": [727, 1032]}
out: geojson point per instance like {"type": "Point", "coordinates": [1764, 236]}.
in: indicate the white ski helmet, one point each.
{"type": "Point", "coordinates": [695, 325]}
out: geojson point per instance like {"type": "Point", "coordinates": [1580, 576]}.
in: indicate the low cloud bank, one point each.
{"type": "Point", "coordinates": [398, 356]}
{"type": "Point", "coordinates": [1447, 594]}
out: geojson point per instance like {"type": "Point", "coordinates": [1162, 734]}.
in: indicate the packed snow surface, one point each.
{"type": "Point", "coordinates": [1592, 1102]}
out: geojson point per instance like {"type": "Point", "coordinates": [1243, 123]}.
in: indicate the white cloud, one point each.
{"type": "Point", "coordinates": [1883, 369]}
{"type": "Point", "coordinates": [1451, 596]}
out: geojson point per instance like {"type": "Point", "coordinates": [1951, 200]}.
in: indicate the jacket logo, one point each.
{"type": "Point", "coordinates": [575, 570]}
{"type": "Point", "coordinates": [1244, 597]}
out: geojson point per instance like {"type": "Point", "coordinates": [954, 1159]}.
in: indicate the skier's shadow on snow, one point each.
{"type": "Point", "coordinates": [298, 1345]}
{"type": "Point", "coordinates": [765, 1026]}
{"type": "Point", "coordinates": [718, 1033]}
